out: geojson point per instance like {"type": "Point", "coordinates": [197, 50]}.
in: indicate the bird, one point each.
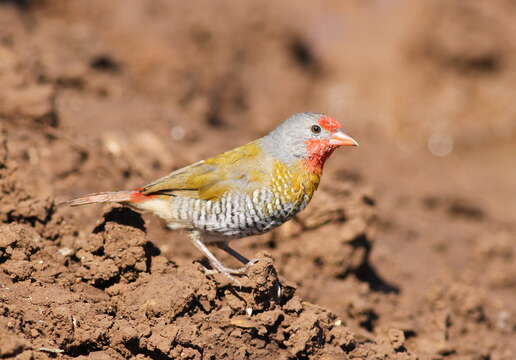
{"type": "Point", "coordinates": [246, 191]}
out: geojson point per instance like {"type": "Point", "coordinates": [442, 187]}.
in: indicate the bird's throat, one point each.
{"type": "Point", "coordinates": [318, 152]}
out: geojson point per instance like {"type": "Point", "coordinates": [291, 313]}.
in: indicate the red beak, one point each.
{"type": "Point", "coordinates": [340, 139]}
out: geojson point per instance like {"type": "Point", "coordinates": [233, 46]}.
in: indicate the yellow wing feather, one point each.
{"type": "Point", "coordinates": [243, 169]}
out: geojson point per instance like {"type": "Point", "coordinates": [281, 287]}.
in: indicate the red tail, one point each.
{"type": "Point", "coordinates": [104, 197]}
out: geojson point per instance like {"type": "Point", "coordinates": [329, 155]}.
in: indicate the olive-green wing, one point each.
{"type": "Point", "coordinates": [242, 169]}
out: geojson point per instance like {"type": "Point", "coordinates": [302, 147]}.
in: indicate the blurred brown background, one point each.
{"type": "Point", "coordinates": [98, 95]}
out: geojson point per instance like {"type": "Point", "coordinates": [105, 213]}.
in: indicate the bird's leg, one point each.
{"type": "Point", "coordinates": [195, 236]}
{"type": "Point", "coordinates": [247, 263]}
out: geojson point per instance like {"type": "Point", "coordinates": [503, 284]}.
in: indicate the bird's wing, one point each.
{"type": "Point", "coordinates": [243, 169]}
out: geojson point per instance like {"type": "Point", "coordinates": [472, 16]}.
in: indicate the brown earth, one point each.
{"type": "Point", "coordinates": [406, 252]}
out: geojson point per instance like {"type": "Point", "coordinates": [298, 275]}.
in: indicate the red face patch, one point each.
{"type": "Point", "coordinates": [318, 152]}
{"type": "Point", "coordinates": [329, 124]}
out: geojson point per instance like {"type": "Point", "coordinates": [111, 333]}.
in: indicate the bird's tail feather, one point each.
{"type": "Point", "coordinates": [103, 197]}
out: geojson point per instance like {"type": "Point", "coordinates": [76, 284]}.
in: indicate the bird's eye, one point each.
{"type": "Point", "coordinates": [316, 129]}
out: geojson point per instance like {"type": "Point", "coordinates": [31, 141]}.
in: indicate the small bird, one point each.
{"type": "Point", "coordinates": [246, 191]}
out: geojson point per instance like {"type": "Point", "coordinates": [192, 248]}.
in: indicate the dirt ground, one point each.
{"type": "Point", "coordinates": [406, 252]}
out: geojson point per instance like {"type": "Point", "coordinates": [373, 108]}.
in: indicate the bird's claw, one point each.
{"type": "Point", "coordinates": [210, 271]}
{"type": "Point", "coordinates": [228, 272]}
{"type": "Point", "coordinates": [252, 262]}
{"type": "Point", "coordinates": [238, 271]}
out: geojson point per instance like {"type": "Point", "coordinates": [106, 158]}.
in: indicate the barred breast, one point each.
{"type": "Point", "coordinates": [236, 215]}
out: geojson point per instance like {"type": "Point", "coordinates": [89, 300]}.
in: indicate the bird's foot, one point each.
{"type": "Point", "coordinates": [219, 268]}
{"type": "Point", "coordinates": [229, 272]}
{"type": "Point", "coordinates": [233, 279]}
{"type": "Point", "coordinates": [241, 270]}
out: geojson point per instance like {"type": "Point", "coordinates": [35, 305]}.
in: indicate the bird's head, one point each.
{"type": "Point", "coordinates": [307, 137]}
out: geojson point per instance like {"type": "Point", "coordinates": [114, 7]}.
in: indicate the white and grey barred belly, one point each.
{"type": "Point", "coordinates": [237, 214]}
